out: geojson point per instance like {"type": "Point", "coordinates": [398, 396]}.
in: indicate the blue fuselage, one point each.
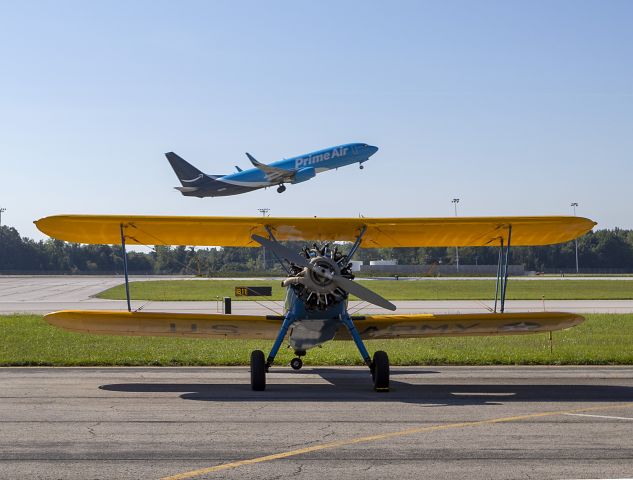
{"type": "Point", "coordinates": [312, 327]}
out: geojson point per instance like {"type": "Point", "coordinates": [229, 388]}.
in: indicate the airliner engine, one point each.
{"type": "Point", "coordinates": [304, 174]}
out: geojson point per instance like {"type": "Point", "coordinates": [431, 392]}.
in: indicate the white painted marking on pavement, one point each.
{"type": "Point", "coordinates": [598, 416]}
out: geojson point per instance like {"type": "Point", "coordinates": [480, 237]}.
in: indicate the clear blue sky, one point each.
{"type": "Point", "coordinates": [514, 107]}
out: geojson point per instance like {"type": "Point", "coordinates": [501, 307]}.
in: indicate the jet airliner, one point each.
{"type": "Point", "coordinates": [292, 170]}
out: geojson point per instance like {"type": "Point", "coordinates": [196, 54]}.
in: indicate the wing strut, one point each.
{"type": "Point", "coordinates": [501, 285]}
{"type": "Point", "coordinates": [498, 272]}
{"type": "Point", "coordinates": [356, 245]}
{"type": "Point", "coordinates": [127, 282]}
{"type": "Point", "coordinates": [272, 237]}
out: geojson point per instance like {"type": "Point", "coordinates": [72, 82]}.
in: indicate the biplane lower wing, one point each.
{"type": "Point", "coordinates": [450, 325]}
{"type": "Point", "coordinates": [107, 322]}
{"type": "Point", "coordinates": [163, 324]}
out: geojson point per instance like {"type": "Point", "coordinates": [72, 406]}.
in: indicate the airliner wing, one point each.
{"type": "Point", "coordinates": [273, 174]}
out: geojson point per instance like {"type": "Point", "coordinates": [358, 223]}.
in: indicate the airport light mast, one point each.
{"type": "Point", "coordinates": [264, 212]}
{"type": "Point", "coordinates": [455, 201]}
{"type": "Point", "coordinates": [574, 205]}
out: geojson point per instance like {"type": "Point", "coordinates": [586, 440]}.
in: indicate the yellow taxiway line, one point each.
{"type": "Point", "coordinates": [382, 436]}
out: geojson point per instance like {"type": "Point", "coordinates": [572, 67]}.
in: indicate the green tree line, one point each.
{"type": "Point", "coordinates": [602, 249]}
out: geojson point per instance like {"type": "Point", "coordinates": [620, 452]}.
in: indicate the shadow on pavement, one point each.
{"type": "Point", "coordinates": [355, 386]}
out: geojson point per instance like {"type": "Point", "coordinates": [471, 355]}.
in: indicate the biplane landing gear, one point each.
{"type": "Point", "coordinates": [259, 366]}
{"type": "Point", "coordinates": [361, 166]}
{"type": "Point", "coordinates": [380, 371]}
{"type": "Point", "coordinates": [281, 188]}
{"type": "Point", "coordinates": [296, 363]}
{"type": "Point", "coordinates": [378, 366]}
{"type": "Point", "coordinates": [258, 370]}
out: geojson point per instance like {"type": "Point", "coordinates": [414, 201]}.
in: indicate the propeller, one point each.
{"type": "Point", "coordinates": [363, 293]}
{"type": "Point", "coordinates": [343, 283]}
{"type": "Point", "coordinates": [282, 252]}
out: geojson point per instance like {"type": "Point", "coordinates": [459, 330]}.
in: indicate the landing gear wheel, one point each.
{"type": "Point", "coordinates": [361, 166]}
{"type": "Point", "coordinates": [296, 363]}
{"type": "Point", "coordinates": [380, 371]}
{"type": "Point", "coordinates": [281, 188]}
{"type": "Point", "coordinates": [258, 370]}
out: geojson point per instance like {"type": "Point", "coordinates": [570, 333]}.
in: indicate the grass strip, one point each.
{"type": "Point", "coordinates": [211, 290]}
{"type": "Point", "coordinates": [604, 339]}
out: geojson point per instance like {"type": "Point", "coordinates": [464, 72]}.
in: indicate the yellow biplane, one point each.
{"type": "Point", "coordinates": [319, 279]}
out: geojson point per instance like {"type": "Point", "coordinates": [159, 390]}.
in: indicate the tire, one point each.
{"type": "Point", "coordinates": [296, 363]}
{"type": "Point", "coordinates": [258, 371]}
{"type": "Point", "coordinates": [380, 371]}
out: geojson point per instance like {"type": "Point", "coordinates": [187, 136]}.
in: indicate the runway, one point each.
{"type": "Point", "coordinates": [44, 294]}
{"type": "Point", "coordinates": [437, 422]}
{"type": "Point", "coordinates": [180, 423]}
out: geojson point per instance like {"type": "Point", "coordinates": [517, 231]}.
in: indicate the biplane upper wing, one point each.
{"type": "Point", "coordinates": [114, 322]}
{"type": "Point", "coordinates": [378, 232]}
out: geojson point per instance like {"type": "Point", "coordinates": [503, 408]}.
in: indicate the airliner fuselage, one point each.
{"type": "Point", "coordinates": [292, 170]}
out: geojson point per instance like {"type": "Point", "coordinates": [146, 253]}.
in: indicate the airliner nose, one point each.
{"type": "Point", "coordinates": [372, 150]}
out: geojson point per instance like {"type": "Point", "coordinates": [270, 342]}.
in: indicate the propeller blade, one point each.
{"type": "Point", "coordinates": [362, 292]}
{"type": "Point", "coordinates": [342, 282]}
{"type": "Point", "coordinates": [282, 252]}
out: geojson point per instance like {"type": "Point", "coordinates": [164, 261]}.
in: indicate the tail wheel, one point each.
{"type": "Point", "coordinates": [258, 370]}
{"type": "Point", "coordinates": [380, 371]}
{"type": "Point", "coordinates": [296, 363]}
{"type": "Point", "coordinates": [281, 188]}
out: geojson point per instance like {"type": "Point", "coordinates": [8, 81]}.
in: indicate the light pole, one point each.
{"type": "Point", "coordinates": [2, 210]}
{"type": "Point", "coordinates": [574, 205]}
{"type": "Point", "coordinates": [264, 212]}
{"type": "Point", "coordinates": [455, 201]}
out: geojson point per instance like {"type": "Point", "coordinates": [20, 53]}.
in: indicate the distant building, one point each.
{"type": "Point", "coordinates": [436, 270]}
{"type": "Point", "coordinates": [383, 262]}
{"type": "Point", "coordinates": [356, 265]}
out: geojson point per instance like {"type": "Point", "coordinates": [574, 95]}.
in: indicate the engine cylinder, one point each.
{"type": "Point", "coordinates": [315, 285]}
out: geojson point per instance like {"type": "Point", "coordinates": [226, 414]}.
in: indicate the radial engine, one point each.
{"type": "Point", "coordinates": [315, 285]}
